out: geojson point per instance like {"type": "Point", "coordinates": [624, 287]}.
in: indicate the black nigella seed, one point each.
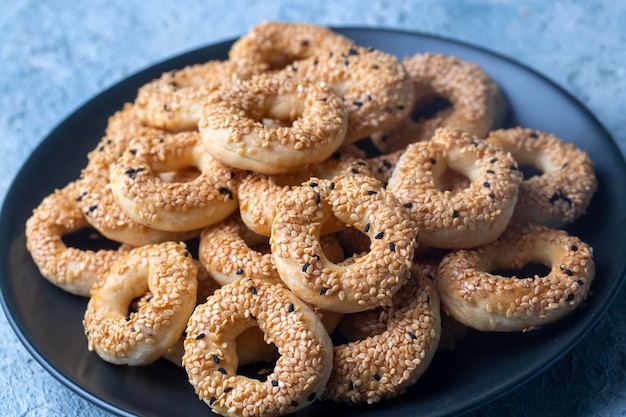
{"type": "Point", "coordinates": [294, 403]}
{"type": "Point", "coordinates": [228, 389]}
{"type": "Point", "coordinates": [291, 308]}
{"type": "Point", "coordinates": [408, 205]}
{"type": "Point", "coordinates": [379, 235]}
{"type": "Point", "coordinates": [486, 184]}
{"type": "Point", "coordinates": [313, 184]}
{"type": "Point", "coordinates": [323, 290]}
{"type": "Point", "coordinates": [433, 161]}
{"type": "Point", "coordinates": [127, 317]}
{"type": "Point", "coordinates": [569, 272]}
{"type": "Point", "coordinates": [133, 151]}
{"type": "Point", "coordinates": [358, 103]}
{"type": "Point", "coordinates": [492, 195]}
{"type": "Point", "coordinates": [392, 247]}
{"type": "Point", "coordinates": [216, 359]}
{"type": "Point", "coordinates": [570, 297]}
{"type": "Point", "coordinates": [455, 214]}
{"type": "Point", "coordinates": [350, 386]}
{"type": "Point", "coordinates": [274, 383]}
{"type": "Point", "coordinates": [92, 208]}
{"type": "Point", "coordinates": [200, 336]}
{"type": "Point", "coordinates": [372, 192]}
{"type": "Point", "coordinates": [366, 228]}
{"type": "Point", "coordinates": [318, 198]}
{"type": "Point", "coordinates": [412, 335]}
{"type": "Point", "coordinates": [332, 186]}
{"type": "Point", "coordinates": [580, 282]}
{"type": "Point", "coordinates": [493, 160]}
{"type": "Point", "coordinates": [212, 400]}
{"type": "Point", "coordinates": [490, 171]}
{"type": "Point", "coordinates": [222, 370]}
{"type": "Point", "coordinates": [377, 377]}
{"type": "Point", "coordinates": [354, 171]}
{"type": "Point", "coordinates": [324, 99]}
{"type": "Point", "coordinates": [224, 190]}
{"type": "Point", "coordinates": [305, 267]}
{"type": "Point", "coordinates": [387, 164]}
{"type": "Point", "coordinates": [353, 51]}
{"type": "Point", "coordinates": [253, 290]}
{"type": "Point", "coordinates": [239, 271]}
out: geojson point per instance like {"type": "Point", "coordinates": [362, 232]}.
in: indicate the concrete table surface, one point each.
{"type": "Point", "coordinates": [55, 55]}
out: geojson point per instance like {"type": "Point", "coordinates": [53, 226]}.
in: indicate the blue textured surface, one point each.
{"type": "Point", "coordinates": [57, 55]}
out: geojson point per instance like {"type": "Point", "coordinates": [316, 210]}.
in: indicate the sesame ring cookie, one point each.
{"type": "Point", "coordinates": [278, 44]}
{"type": "Point", "coordinates": [173, 101]}
{"type": "Point", "coordinates": [465, 218]}
{"type": "Point", "coordinates": [168, 271]}
{"type": "Point", "coordinates": [388, 359]}
{"type": "Point", "coordinates": [173, 206]}
{"type": "Point", "coordinates": [361, 202]}
{"type": "Point", "coordinates": [308, 123]}
{"type": "Point", "coordinates": [476, 103]}
{"type": "Point", "coordinates": [230, 251]}
{"type": "Point", "coordinates": [71, 269]}
{"type": "Point", "coordinates": [374, 86]}
{"type": "Point", "coordinates": [474, 296]}
{"type": "Point", "coordinates": [260, 194]}
{"type": "Point", "coordinates": [300, 373]}
{"type": "Point", "coordinates": [563, 191]}
{"type": "Point", "coordinates": [95, 198]}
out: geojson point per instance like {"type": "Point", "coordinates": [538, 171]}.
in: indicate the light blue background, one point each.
{"type": "Point", "coordinates": [55, 55]}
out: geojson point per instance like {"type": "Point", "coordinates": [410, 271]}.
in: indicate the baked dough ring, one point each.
{"type": "Point", "coordinates": [71, 269]}
{"type": "Point", "coordinates": [469, 217]}
{"type": "Point", "coordinates": [174, 207]}
{"type": "Point", "coordinates": [311, 123]}
{"type": "Point", "coordinates": [274, 45]}
{"type": "Point", "coordinates": [173, 101]}
{"type": "Point", "coordinates": [230, 251]}
{"type": "Point", "coordinates": [260, 194]}
{"type": "Point", "coordinates": [361, 202]}
{"type": "Point", "coordinates": [476, 103]}
{"type": "Point", "coordinates": [384, 361]}
{"type": "Point", "coordinates": [300, 373]}
{"type": "Point", "coordinates": [474, 296]}
{"type": "Point", "coordinates": [168, 271]}
{"type": "Point", "coordinates": [563, 191]}
{"type": "Point", "coordinates": [374, 86]}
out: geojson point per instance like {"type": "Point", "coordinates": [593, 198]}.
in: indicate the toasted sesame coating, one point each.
{"type": "Point", "coordinates": [230, 251]}
{"type": "Point", "coordinates": [94, 194]}
{"type": "Point", "coordinates": [300, 373]}
{"type": "Point", "coordinates": [311, 125]}
{"type": "Point", "coordinates": [260, 194]}
{"type": "Point", "coordinates": [71, 269]}
{"type": "Point", "coordinates": [278, 44]}
{"type": "Point", "coordinates": [173, 101]}
{"type": "Point", "coordinates": [390, 357]}
{"type": "Point", "coordinates": [173, 206]}
{"type": "Point", "coordinates": [563, 191]}
{"type": "Point", "coordinates": [462, 218]}
{"type": "Point", "coordinates": [492, 302]}
{"type": "Point", "coordinates": [476, 103]}
{"type": "Point", "coordinates": [361, 202]}
{"type": "Point", "coordinates": [95, 199]}
{"type": "Point", "coordinates": [374, 86]}
{"type": "Point", "coordinates": [168, 271]}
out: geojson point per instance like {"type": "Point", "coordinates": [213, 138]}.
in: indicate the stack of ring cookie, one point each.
{"type": "Point", "coordinates": [342, 265]}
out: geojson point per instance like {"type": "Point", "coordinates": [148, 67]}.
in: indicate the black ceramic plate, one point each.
{"type": "Point", "coordinates": [484, 366]}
